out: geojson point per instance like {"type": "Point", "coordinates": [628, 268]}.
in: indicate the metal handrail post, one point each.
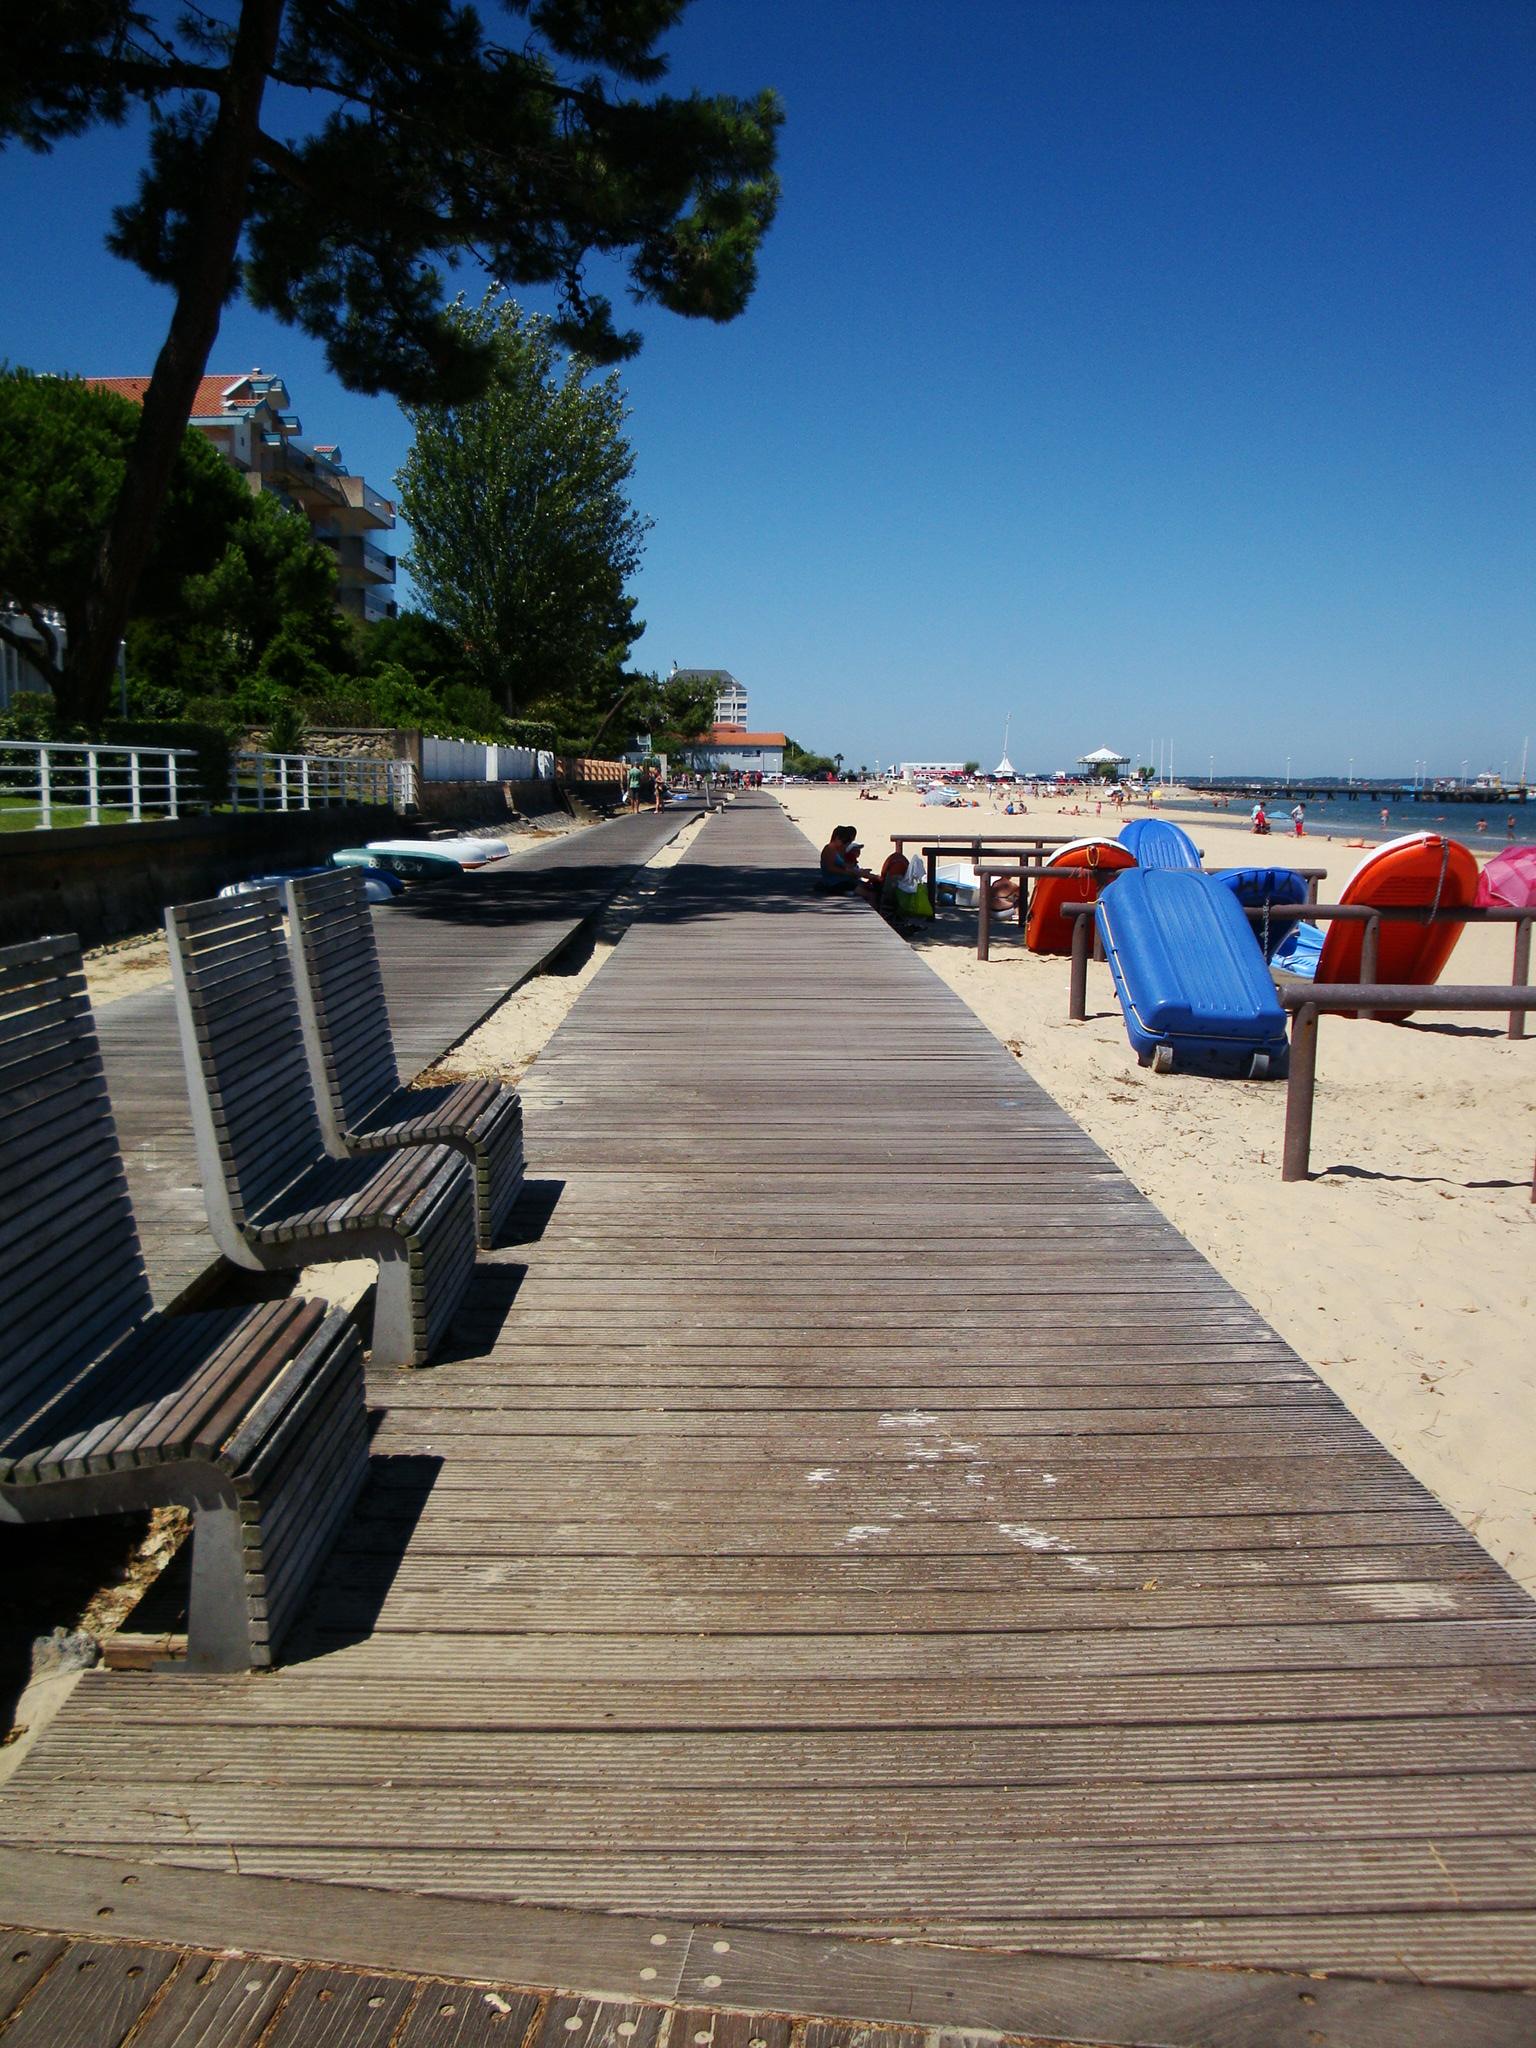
{"type": "Point", "coordinates": [1300, 1088]}
{"type": "Point", "coordinates": [1370, 950]}
{"type": "Point", "coordinates": [45, 787]}
{"type": "Point", "coordinates": [92, 786]}
{"type": "Point", "coordinates": [1077, 1000]}
{"type": "Point", "coordinates": [135, 788]}
{"type": "Point", "coordinates": [1520, 973]}
{"type": "Point", "coordinates": [172, 791]}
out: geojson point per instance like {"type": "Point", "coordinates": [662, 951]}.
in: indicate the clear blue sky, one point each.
{"type": "Point", "coordinates": [1148, 369]}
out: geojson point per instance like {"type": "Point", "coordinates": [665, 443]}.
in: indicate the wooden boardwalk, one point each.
{"type": "Point", "coordinates": [855, 1509]}
{"type": "Point", "coordinates": [449, 953]}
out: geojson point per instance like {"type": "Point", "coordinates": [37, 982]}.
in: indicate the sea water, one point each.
{"type": "Point", "coordinates": [1353, 817]}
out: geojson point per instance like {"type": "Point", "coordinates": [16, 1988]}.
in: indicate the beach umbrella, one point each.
{"type": "Point", "coordinates": [1510, 879]}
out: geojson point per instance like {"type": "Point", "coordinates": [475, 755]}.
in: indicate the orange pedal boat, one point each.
{"type": "Point", "coordinates": [1092, 862]}
{"type": "Point", "coordinates": [1422, 871]}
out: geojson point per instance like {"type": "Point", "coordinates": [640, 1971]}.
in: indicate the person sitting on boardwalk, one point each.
{"type": "Point", "coordinates": [840, 870]}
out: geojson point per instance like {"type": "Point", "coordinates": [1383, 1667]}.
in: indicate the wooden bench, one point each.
{"type": "Point", "coordinates": [253, 1418]}
{"type": "Point", "coordinates": [275, 1198]}
{"type": "Point", "coordinates": [362, 1104]}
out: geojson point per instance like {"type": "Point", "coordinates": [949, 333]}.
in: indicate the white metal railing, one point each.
{"type": "Point", "coordinates": [47, 783]}
{"type": "Point", "coordinates": [313, 782]}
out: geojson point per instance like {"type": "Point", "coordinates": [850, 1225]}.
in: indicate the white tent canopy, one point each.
{"type": "Point", "coordinates": [1004, 767]}
{"type": "Point", "coordinates": [1102, 757]}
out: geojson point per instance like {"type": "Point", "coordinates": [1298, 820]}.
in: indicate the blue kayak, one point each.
{"type": "Point", "coordinates": [1155, 843]}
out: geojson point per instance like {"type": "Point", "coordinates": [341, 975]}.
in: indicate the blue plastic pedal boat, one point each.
{"type": "Point", "coordinates": [1190, 975]}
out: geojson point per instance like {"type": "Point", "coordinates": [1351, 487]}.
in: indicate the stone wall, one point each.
{"type": "Point", "coordinates": [107, 881]}
{"type": "Point", "coordinates": [352, 742]}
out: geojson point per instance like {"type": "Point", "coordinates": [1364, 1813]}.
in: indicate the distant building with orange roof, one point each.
{"type": "Point", "coordinates": [734, 749]}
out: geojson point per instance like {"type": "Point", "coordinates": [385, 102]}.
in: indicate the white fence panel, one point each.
{"type": "Point", "coordinates": [480, 761]}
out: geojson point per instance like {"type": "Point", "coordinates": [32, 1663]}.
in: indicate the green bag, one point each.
{"type": "Point", "coordinates": [914, 902]}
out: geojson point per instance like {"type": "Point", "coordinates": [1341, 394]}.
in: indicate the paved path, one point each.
{"type": "Point", "coordinates": [449, 953]}
{"type": "Point", "coordinates": [854, 1510]}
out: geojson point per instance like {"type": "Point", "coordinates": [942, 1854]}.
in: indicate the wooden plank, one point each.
{"type": "Point", "coordinates": [1060, 1997]}
{"type": "Point", "coordinates": [94, 1993]}
{"type": "Point", "coordinates": [367, 1928]}
{"type": "Point", "coordinates": [25, 1959]}
{"type": "Point", "coordinates": [448, 2015]}
{"type": "Point", "coordinates": [335, 2009]}
{"type": "Point", "coordinates": [488, 1758]}
{"type": "Point", "coordinates": [316, 1695]}
{"type": "Point", "coordinates": [216, 2002]}
{"type": "Point", "coordinates": [598, 2023]}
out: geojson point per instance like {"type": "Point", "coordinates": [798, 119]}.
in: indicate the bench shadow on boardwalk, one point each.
{"type": "Point", "coordinates": [846, 1507]}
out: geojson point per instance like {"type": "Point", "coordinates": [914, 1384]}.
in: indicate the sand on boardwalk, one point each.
{"type": "Point", "coordinates": [1404, 1271]}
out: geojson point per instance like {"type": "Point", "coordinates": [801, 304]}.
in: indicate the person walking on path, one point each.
{"type": "Point", "coordinates": [632, 788]}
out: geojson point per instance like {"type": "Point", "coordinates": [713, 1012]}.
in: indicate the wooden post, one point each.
{"type": "Point", "coordinates": [983, 916]}
{"type": "Point", "coordinates": [932, 858]}
{"type": "Point", "coordinates": [1077, 1001]}
{"type": "Point", "coordinates": [1519, 974]}
{"type": "Point", "coordinates": [1298, 1094]}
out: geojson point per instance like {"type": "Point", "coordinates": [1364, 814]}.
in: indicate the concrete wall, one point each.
{"type": "Point", "coordinates": [487, 803]}
{"type": "Point", "coordinates": [106, 881]}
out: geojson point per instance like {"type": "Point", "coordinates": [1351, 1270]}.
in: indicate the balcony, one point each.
{"type": "Point", "coordinates": [369, 509]}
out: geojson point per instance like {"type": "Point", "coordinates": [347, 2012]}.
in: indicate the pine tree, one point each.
{"type": "Point", "coordinates": [420, 140]}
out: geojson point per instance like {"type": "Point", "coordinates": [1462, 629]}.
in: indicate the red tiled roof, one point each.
{"type": "Point", "coordinates": [732, 735]}
{"type": "Point", "coordinates": [207, 404]}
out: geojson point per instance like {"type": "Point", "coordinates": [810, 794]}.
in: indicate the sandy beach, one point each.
{"type": "Point", "coordinates": [1403, 1271]}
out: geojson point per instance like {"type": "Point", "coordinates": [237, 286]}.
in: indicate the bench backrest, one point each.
{"type": "Point", "coordinates": [72, 1277]}
{"type": "Point", "coordinates": [252, 1109]}
{"type": "Point", "coordinates": [341, 999]}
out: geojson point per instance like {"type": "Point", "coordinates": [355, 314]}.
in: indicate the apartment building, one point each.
{"type": "Point", "coordinates": [248, 419]}
{"type": "Point", "coordinates": [730, 696]}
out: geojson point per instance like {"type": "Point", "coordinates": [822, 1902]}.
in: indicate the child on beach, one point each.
{"type": "Point", "coordinates": [1299, 820]}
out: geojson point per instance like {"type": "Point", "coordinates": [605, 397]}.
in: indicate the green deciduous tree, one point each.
{"type": "Point", "coordinates": [404, 136]}
{"type": "Point", "coordinates": [671, 713]}
{"type": "Point", "coordinates": [523, 536]}
{"type": "Point", "coordinates": [234, 586]}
